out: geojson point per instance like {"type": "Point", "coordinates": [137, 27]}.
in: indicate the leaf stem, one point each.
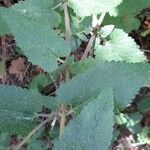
{"type": "Point", "coordinates": [62, 119]}
{"type": "Point", "coordinates": [96, 23]}
{"type": "Point", "coordinates": [51, 117]}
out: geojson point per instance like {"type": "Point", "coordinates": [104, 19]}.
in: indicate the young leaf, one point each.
{"type": "Point", "coordinates": [34, 35]}
{"type": "Point", "coordinates": [106, 30]}
{"type": "Point", "coordinates": [87, 7]}
{"type": "Point", "coordinates": [125, 79]}
{"type": "Point", "coordinates": [39, 82]}
{"type": "Point", "coordinates": [92, 128]}
{"type": "Point", "coordinates": [126, 14]}
{"type": "Point", "coordinates": [119, 47]}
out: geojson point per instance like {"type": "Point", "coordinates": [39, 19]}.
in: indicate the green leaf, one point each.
{"type": "Point", "coordinates": [38, 144]}
{"type": "Point", "coordinates": [143, 137]}
{"type": "Point", "coordinates": [3, 26]}
{"type": "Point", "coordinates": [144, 105]}
{"type": "Point", "coordinates": [134, 119]}
{"type": "Point", "coordinates": [15, 122]}
{"type": "Point", "coordinates": [4, 139]}
{"type": "Point", "coordinates": [121, 119]}
{"type": "Point", "coordinates": [106, 30]}
{"type": "Point", "coordinates": [87, 7]}
{"type": "Point", "coordinates": [92, 129]}
{"type": "Point", "coordinates": [22, 100]}
{"type": "Point", "coordinates": [4, 148]}
{"type": "Point", "coordinates": [39, 82]}
{"type": "Point", "coordinates": [125, 79]}
{"type": "Point", "coordinates": [34, 35]}
{"type": "Point", "coordinates": [126, 14]}
{"type": "Point", "coordinates": [119, 47]}
{"type": "Point", "coordinates": [38, 11]}
{"type": "Point", "coordinates": [18, 107]}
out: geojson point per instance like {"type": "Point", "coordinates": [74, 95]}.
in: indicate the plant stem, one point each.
{"type": "Point", "coordinates": [51, 116]}
{"type": "Point", "coordinates": [101, 18]}
{"type": "Point", "coordinates": [4, 58]}
{"type": "Point", "coordinates": [89, 47]}
{"type": "Point", "coordinates": [67, 23]}
{"type": "Point", "coordinates": [62, 119]}
{"type": "Point", "coordinates": [97, 23]}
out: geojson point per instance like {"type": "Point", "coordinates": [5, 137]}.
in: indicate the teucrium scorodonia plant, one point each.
{"type": "Point", "coordinates": [99, 85]}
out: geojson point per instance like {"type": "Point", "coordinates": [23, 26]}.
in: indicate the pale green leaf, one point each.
{"type": "Point", "coordinates": [119, 47]}
{"type": "Point", "coordinates": [126, 14]}
{"type": "Point", "coordinates": [87, 7]}
{"type": "Point", "coordinates": [106, 30]}
{"type": "Point", "coordinates": [92, 128]}
{"type": "Point", "coordinates": [34, 35]}
{"type": "Point", "coordinates": [125, 79]}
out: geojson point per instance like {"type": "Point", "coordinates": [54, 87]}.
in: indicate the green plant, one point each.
{"type": "Point", "coordinates": [101, 85]}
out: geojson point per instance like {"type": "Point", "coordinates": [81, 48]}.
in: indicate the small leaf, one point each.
{"type": "Point", "coordinates": [39, 82]}
{"type": "Point", "coordinates": [143, 137]}
{"type": "Point", "coordinates": [121, 119]}
{"type": "Point", "coordinates": [119, 47]}
{"type": "Point", "coordinates": [134, 119]}
{"type": "Point", "coordinates": [106, 30]}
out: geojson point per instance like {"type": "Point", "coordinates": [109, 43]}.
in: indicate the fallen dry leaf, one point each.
{"type": "Point", "coordinates": [17, 66]}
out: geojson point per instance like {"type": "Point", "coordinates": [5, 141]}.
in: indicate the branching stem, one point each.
{"type": "Point", "coordinates": [51, 117]}
{"type": "Point", "coordinates": [96, 23]}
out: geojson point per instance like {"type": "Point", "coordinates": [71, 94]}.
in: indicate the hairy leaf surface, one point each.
{"type": "Point", "coordinates": [18, 106]}
{"type": "Point", "coordinates": [119, 47]}
{"type": "Point", "coordinates": [35, 35]}
{"type": "Point", "coordinates": [92, 129]}
{"type": "Point", "coordinates": [125, 79]}
{"type": "Point", "coordinates": [3, 27]}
